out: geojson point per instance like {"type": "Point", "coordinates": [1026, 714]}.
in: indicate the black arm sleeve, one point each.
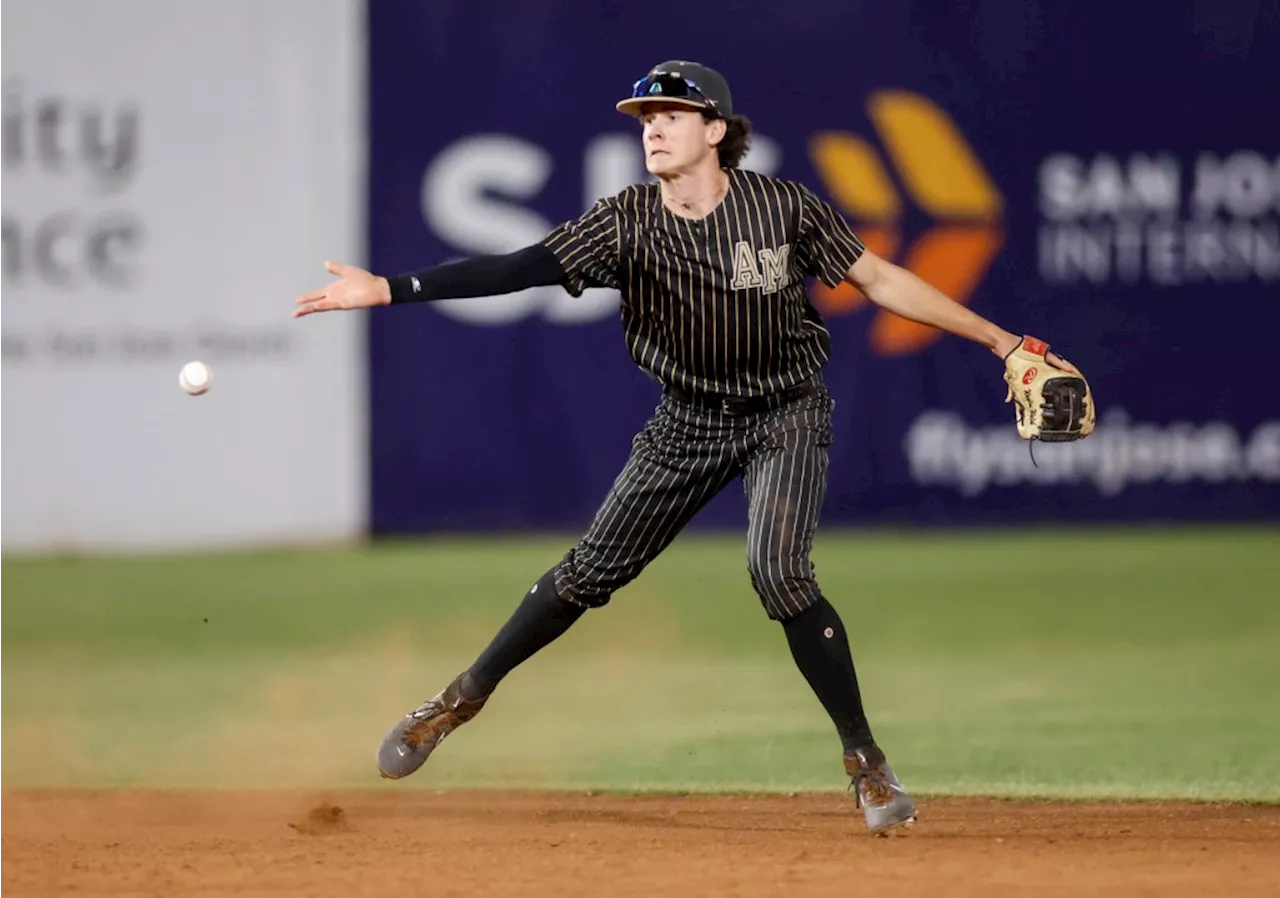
{"type": "Point", "coordinates": [533, 266]}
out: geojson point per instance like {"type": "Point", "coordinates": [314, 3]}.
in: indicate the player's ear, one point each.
{"type": "Point", "coordinates": [716, 128]}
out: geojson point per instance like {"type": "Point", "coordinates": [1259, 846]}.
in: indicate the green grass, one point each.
{"type": "Point", "coordinates": [1107, 662]}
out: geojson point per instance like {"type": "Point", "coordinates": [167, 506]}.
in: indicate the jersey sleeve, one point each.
{"type": "Point", "coordinates": [588, 249]}
{"type": "Point", "coordinates": [828, 246]}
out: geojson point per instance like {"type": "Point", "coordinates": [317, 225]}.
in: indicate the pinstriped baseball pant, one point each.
{"type": "Point", "coordinates": [679, 461]}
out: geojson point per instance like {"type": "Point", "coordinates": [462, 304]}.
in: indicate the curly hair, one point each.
{"type": "Point", "coordinates": [733, 147]}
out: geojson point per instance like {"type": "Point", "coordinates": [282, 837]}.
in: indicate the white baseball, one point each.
{"type": "Point", "coordinates": [195, 378]}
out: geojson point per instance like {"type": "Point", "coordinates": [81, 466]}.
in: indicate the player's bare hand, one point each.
{"type": "Point", "coordinates": [1058, 361]}
{"type": "Point", "coordinates": [355, 288]}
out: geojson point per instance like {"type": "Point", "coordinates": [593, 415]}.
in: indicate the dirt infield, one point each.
{"type": "Point", "coordinates": [533, 844]}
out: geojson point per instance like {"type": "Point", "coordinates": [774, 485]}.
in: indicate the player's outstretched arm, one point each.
{"type": "Point", "coordinates": [356, 288]}
{"type": "Point", "coordinates": [899, 291]}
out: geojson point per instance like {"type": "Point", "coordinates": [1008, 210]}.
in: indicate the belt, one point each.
{"type": "Point", "coordinates": [741, 405]}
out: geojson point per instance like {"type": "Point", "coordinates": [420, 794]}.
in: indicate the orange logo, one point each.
{"type": "Point", "coordinates": [1029, 376]}
{"type": "Point", "coordinates": [942, 176]}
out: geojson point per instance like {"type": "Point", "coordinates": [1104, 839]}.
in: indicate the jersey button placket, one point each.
{"type": "Point", "coordinates": [700, 232]}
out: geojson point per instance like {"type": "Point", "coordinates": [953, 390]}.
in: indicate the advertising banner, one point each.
{"type": "Point", "coordinates": [174, 174]}
{"type": "Point", "coordinates": [1103, 179]}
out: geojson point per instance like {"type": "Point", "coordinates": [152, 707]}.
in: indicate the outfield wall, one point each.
{"type": "Point", "coordinates": [174, 173]}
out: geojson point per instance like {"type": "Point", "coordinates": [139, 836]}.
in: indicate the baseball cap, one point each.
{"type": "Point", "coordinates": [682, 82]}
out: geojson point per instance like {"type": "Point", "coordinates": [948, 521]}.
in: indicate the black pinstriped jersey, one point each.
{"type": "Point", "coordinates": [718, 304]}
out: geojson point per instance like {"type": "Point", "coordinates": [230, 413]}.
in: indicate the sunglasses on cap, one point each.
{"type": "Point", "coordinates": [671, 87]}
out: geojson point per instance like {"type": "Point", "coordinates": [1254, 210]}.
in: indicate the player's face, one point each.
{"type": "Point", "coordinates": [676, 138]}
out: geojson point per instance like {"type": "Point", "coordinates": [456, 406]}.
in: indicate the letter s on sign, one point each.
{"type": "Point", "coordinates": [458, 205]}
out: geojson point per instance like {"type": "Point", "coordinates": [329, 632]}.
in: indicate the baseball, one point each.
{"type": "Point", "coordinates": [195, 378]}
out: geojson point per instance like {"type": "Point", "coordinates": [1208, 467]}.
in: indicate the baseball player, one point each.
{"type": "Point", "coordinates": [710, 260]}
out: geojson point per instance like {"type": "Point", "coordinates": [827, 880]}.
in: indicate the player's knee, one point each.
{"type": "Point", "coordinates": [768, 577]}
{"type": "Point", "coordinates": [783, 590]}
{"type": "Point", "coordinates": [584, 580]}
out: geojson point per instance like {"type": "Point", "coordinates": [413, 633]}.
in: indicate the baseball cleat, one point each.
{"type": "Point", "coordinates": [877, 790]}
{"type": "Point", "coordinates": [416, 735]}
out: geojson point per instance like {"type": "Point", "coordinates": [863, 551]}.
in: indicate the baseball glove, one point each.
{"type": "Point", "coordinates": [1053, 405]}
